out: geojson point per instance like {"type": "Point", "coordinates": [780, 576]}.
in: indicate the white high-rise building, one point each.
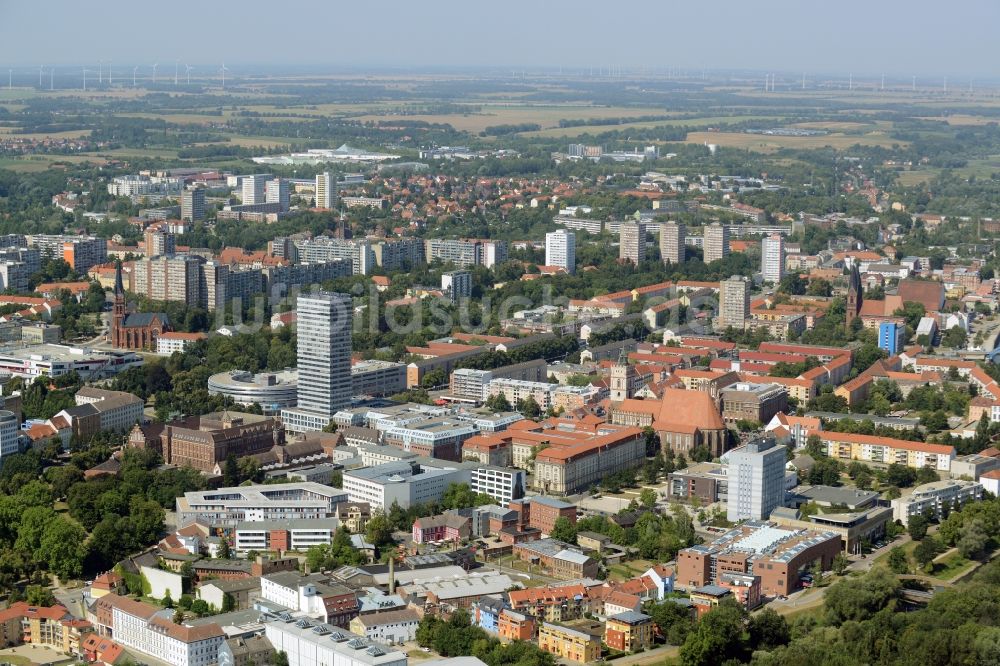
{"type": "Point", "coordinates": [632, 242]}
{"type": "Point", "coordinates": [734, 302]}
{"type": "Point", "coordinates": [458, 284]}
{"type": "Point", "coordinates": [277, 191]}
{"type": "Point", "coordinates": [716, 242]}
{"type": "Point", "coordinates": [560, 249]}
{"type": "Point", "coordinates": [324, 321]}
{"type": "Point", "coordinates": [253, 189]}
{"type": "Point", "coordinates": [8, 435]}
{"type": "Point", "coordinates": [772, 258]}
{"type": "Point", "coordinates": [756, 480]}
{"type": "Point", "coordinates": [672, 239]}
{"type": "Point", "coordinates": [326, 190]}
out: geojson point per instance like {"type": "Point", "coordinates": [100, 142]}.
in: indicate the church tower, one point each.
{"type": "Point", "coordinates": [118, 310]}
{"type": "Point", "coordinates": [854, 296]}
{"type": "Point", "coordinates": [623, 378]}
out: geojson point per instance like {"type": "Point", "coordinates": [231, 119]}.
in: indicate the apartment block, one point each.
{"type": "Point", "coordinates": [672, 242]}
{"type": "Point", "coordinates": [568, 643]}
{"type": "Point", "coordinates": [938, 498]}
{"type": "Point", "coordinates": [734, 302]}
{"type": "Point", "coordinates": [193, 204]}
{"type": "Point", "coordinates": [169, 278]}
{"type": "Point", "coordinates": [632, 242]}
{"type": "Point", "coordinates": [756, 480]}
{"type": "Point", "coordinates": [716, 242]}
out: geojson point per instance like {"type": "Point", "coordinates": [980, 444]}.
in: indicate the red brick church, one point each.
{"type": "Point", "coordinates": [138, 330]}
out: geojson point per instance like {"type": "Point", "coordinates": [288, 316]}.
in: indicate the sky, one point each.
{"type": "Point", "coordinates": [897, 37]}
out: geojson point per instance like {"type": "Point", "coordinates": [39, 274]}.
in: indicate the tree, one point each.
{"type": "Point", "coordinates": [178, 616]}
{"type": "Point", "coordinates": [860, 598]}
{"type": "Point", "coordinates": [231, 472]}
{"type": "Point", "coordinates": [973, 539]}
{"type": "Point", "coordinates": [378, 531]}
{"type": "Point", "coordinates": [228, 603]}
{"type": "Point", "coordinates": [498, 403]}
{"type": "Point", "coordinates": [840, 563]}
{"type": "Point", "coordinates": [224, 551]}
{"type": "Point", "coordinates": [917, 526]}
{"type": "Point", "coordinates": [200, 608]}
{"type": "Point", "coordinates": [718, 638]}
{"type": "Point", "coordinates": [900, 476]}
{"type": "Point", "coordinates": [898, 561]}
{"type": "Point", "coordinates": [647, 498]}
{"type": "Point", "coordinates": [563, 530]}
{"type": "Point", "coordinates": [768, 630]}
{"type": "Point", "coordinates": [529, 407]}
{"type": "Point", "coordinates": [926, 551]}
{"type": "Point", "coordinates": [280, 659]}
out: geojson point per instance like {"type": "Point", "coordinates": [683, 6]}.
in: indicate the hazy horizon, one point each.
{"type": "Point", "coordinates": [866, 38]}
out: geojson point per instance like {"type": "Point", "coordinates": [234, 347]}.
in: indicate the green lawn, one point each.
{"type": "Point", "coordinates": [952, 565]}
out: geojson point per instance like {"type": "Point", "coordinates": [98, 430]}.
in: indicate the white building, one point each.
{"type": "Point", "coordinates": [457, 284]}
{"type": "Point", "coordinates": [324, 360]}
{"type": "Point", "coordinates": [936, 498]}
{"type": "Point", "coordinates": [756, 480]}
{"type": "Point", "coordinates": [772, 258]}
{"type": "Point", "coordinates": [277, 191]}
{"type": "Point", "coordinates": [149, 630]}
{"type": "Point", "coordinates": [672, 241]}
{"type": "Point", "coordinates": [308, 644]}
{"type": "Point", "coordinates": [401, 482]}
{"type": "Point", "coordinates": [560, 249]}
{"type": "Point", "coordinates": [227, 507]}
{"type": "Point", "coordinates": [253, 189]}
{"type": "Point", "coordinates": [9, 426]}
{"type": "Point", "coordinates": [502, 483]}
{"type": "Point", "coordinates": [169, 342]}
{"type": "Point", "coordinates": [298, 534]}
{"type": "Point", "coordinates": [326, 190]}
{"type": "Point", "coordinates": [716, 242]}
{"type": "Point", "coordinates": [118, 410]}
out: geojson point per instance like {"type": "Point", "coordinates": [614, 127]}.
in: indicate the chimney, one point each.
{"type": "Point", "coordinates": [392, 575]}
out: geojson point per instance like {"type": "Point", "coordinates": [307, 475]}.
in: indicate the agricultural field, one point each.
{"type": "Point", "coordinates": [770, 144]}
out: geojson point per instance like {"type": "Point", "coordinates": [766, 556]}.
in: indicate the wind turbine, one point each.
{"type": "Point", "coordinates": [40, 68]}
{"type": "Point", "coordinates": [10, 80]}
{"type": "Point", "coordinates": [187, 69]}
{"type": "Point", "coordinates": [224, 75]}
{"type": "Point", "coordinates": [134, 70]}
{"type": "Point", "coordinates": [176, 63]}
{"type": "Point", "coordinates": [155, 65]}
{"type": "Point", "coordinates": [52, 79]}
{"type": "Point", "coordinates": [84, 79]}
{"type": "Point", "coordinates": [100, 72]}
{"type": "Point", "coordinates": [109, 73]}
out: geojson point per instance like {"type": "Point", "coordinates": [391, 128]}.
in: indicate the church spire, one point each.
{"type": "Point", "coordinates": [119, 287]}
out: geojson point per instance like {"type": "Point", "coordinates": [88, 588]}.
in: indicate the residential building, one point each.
{"type": "Point", "coordinates": [193, 204]}
{"type": "Point", "coordinates": [80, 252]}
{"type": "Point", "coordinates": [151, 631]}
{"type": "Point", "coordinates": [772, 258]}
{"type": "Point", "coordinates": [716, 242]}
{"type": "Point", "coordinates": [324, 360]}
{"type": "Point", "coordinates": [253, 189]}
{"type": "Point", "coordinates": [752, 402]}
{"type": "Point", "coordinates": [169, 278]}
{"type": "Point", "coordinates": [891, 337]}
{"type": "Point", "coordinates": [886, 450]}
{"type": "Point", "coordinates": [171, 342]}
{"type": "Point", "coordinates": [229, 507]}
{"type": "Point", "coordinates": [756, 480]}
{"type": "Point", "coordinates": [158, 241]}
{"type": "Point", "coordinates": [277, 191]}
{"type": "Point", "coordinates": [398, 254]}
{"type": "Point", "coordinates": [392, 627]}
{"type": "Point", "coordinates": [776, 555]}
{"type": "Point", "coordinates": [734, 302]}
{"type": "Point", "coordinates": [308, 643]}
{"type": "Point", "coordinates": [298, 534]}
{"type": "Point", "coordinates": [560, 250]}
{"type": "Point", "coordinates": [632, 242]}
{"type": "Point", "coordinates": [471, 384]}
{"type": "Point", "coordinates": [672, 242]}
{"type": "Point", "coordinates": [443, 527]}
{"type": "Point", "coordinates": [938, 498]}
{"type": "Point", "coordinates": [457, 284]}
{"type": "Point", "coordinates": [44, 626]}
{"type": "Point", "coordinates": [326, 190]}
{"type": "Point", "coordinates": [568, 643]}
{"type": "Point", "coordinates": [552, 603]}
{"type": "Point", "coordinates": [629, 631]}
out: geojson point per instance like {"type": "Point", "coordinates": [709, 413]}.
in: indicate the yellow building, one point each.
{"type": "Point", "coordinates": [886, 450]}
{"type": "Point", "coordinates": [568, 643]}
{"type": "Point", "coordinates": [629, 631]}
